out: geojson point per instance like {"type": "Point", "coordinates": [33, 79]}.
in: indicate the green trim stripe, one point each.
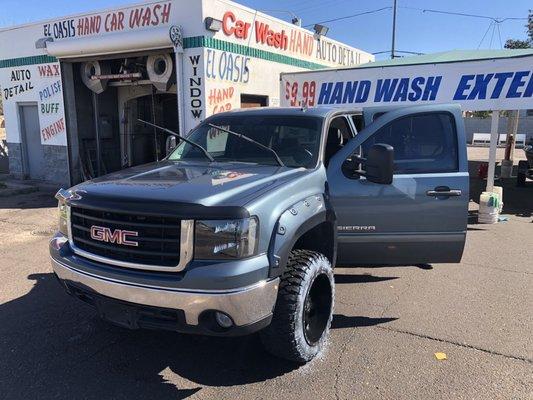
{"type": "Point", "coordinates": [217, 44]}
{"type": "Point", "coordinates": [31, 60]}
{"type": "Point", "coordinates": [191, 43]}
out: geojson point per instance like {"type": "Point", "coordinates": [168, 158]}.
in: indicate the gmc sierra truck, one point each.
{"type": "Point", "coordinates": [239, 228]}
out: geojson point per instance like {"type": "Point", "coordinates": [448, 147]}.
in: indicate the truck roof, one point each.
{"type": "Point", "coordinates": [321, 111]}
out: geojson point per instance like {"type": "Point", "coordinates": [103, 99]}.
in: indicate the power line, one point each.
{"type": "Point", "coordinates": [492, 34]}
{"type": "Point", "coordinates": [398, 51]}
{"type": "Point", "coordinates": [495, 26]}
{"type": "Point", "coordinates": [487, 31]}
{"type": "Point", "coordinates": [425, 10]}
{"type": "Point", "coordinates": [350, 16]}
{"type": "Point", "coordinates": [495, 19]}
{"type": "Point", "coordinates": [500, 36]}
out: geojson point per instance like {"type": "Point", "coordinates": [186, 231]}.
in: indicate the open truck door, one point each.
{"type": "Point", "coordinates": [421, 215]}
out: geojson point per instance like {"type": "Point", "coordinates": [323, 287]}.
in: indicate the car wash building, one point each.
{"type": "Point", "coordinates": [74, 88]}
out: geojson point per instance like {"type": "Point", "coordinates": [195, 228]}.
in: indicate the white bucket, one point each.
{"type": "Point", "coordinates": [489, 208]}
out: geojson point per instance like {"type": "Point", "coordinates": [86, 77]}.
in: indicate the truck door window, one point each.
{"type": "Point", "coordinates": [358, 121]}
{"type": "Point", "coordinates": [339, 133]}
{"type": "Point", "coordinates": [423, 143]}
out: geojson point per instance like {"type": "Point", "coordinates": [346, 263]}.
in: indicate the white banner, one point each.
{"type": "Point", "coordinates": [495, 84]}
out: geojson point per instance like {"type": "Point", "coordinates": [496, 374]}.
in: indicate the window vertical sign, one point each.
{"type": "Point", "coordinates": [176, 37]}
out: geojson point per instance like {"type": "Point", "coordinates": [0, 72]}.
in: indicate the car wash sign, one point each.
{"type": "Point", "coordinates": [495, 84]}
{"type": "Point", "coordinates": [148, 15]}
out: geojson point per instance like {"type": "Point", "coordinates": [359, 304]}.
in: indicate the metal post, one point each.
{"type": "Point", "coordinates": [97, 134]}
{"type": "Point", "coordinates": [512, 130]}
{"type": "Point", "coordinates": [180, 87]}
{"type": "Point", "coordinates": [494, 137]}
{"type": "Point", "coordinates": [156, 143]}
{"type": "Point", "coordinates": [393, 47]}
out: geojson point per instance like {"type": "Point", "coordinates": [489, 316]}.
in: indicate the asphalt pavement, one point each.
{"type": "Point", "coordinates": [389, 323]}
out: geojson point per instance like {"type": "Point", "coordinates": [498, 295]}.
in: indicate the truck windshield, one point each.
{"type": "Point", "coordinates": [295, 139]}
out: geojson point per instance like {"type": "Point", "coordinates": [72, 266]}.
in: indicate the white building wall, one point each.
{"type": "Point", "coordinates": [245, 57]}
{"type": "Point", "coordinates": [241, 59]}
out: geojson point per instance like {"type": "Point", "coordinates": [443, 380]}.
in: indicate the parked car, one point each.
{"type": "Point", "coordinates": [239, 229]}
{"type": "Point", "coordinates": [525, 167]}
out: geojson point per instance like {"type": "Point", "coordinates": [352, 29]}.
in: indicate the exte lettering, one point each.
{"type": "Point", "coordinates": [478, 87]}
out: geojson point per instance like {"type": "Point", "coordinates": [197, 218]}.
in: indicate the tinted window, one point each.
{"type": "Point", "coordinates": [342, 124]}
{"type": "Point", "coordinates": [358, 121]}
{"type": "Point", "coordinates": [296, 140]}
{"type": "Point", "coordinates": [422, 143]}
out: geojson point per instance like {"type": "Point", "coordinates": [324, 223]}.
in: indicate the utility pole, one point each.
{"type": "Point", "coordinates": [392, 55]}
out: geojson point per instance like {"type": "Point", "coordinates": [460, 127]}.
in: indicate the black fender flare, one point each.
{"type": "Point", "coordinates": [293, 223]}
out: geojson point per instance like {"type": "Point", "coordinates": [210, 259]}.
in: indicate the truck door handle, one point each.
{"type": "Point", "coordinates": [444, 191]}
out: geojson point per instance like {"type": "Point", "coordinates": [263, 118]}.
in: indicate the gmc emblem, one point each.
{"type": "Point", "coordinates": [118, 236]}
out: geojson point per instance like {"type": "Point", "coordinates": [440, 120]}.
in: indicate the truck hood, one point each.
{"type": "Point", "coordinates": [187, 182]}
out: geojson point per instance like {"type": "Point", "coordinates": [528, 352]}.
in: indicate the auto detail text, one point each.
{"type": "Point", "coordinates": [20, 82]}
{"type": "Point", "coordinates": [114, 21]}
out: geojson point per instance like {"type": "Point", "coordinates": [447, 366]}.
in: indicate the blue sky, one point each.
{"type": "Point", "coordinates": [417, 31]}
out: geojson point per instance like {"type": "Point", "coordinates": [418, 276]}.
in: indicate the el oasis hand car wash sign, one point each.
{"type": "Point", "coordinates": [114, 21]}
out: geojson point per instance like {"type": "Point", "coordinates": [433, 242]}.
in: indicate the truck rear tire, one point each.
{"type": "Point", "coordinates": [521, 179]}
{"type": "Point", "coordinates": [521, 175]}
{"type": "Point", "coordinates": [304, 308]}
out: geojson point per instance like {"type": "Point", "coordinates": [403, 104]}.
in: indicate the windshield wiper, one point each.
{"type": "Point", "coordinates": [239, 135]}
{"type": "Point", "coordinates": [204, 151]}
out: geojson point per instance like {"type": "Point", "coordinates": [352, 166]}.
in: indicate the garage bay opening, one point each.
{"type": "Point", "coordinates": [104, 100]}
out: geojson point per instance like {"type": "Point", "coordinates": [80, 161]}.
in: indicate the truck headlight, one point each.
{"type": "Point", "coordinates": [226, 239]}
{"type": "Point", "coordinates": [62, 208]}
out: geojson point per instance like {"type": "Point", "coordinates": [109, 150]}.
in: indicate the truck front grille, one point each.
{"type": "Point", "coordinates": [158, 237]}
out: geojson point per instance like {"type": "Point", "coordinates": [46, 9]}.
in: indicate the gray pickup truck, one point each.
{"type": "Point", "coordinates": [239, 228]}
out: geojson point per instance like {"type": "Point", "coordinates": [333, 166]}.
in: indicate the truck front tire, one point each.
{"type": "Point", "coordinates": [304, 308]}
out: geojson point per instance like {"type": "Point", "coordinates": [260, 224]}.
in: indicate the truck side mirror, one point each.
{"type": "Point", "coordinates": [379, 164]}
{"type": "Point", "coordinates": [170, 144]}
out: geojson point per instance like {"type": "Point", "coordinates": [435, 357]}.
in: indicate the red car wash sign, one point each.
{"type": "Point", "coordinates": [295, 40]}
{"type": "Point", "coordinates": [263, 33]}
{"type": "Point", "coordinates": [114, 21]}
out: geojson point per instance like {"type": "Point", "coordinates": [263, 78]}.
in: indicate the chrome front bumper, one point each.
{"type": "Point", "coordinates": [245, 305]}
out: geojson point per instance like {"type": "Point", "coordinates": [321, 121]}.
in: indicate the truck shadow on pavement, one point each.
{"type": "Point", "coordinates": [53, 346]}
{"type": "Point", "coordinates": [40, 199]}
